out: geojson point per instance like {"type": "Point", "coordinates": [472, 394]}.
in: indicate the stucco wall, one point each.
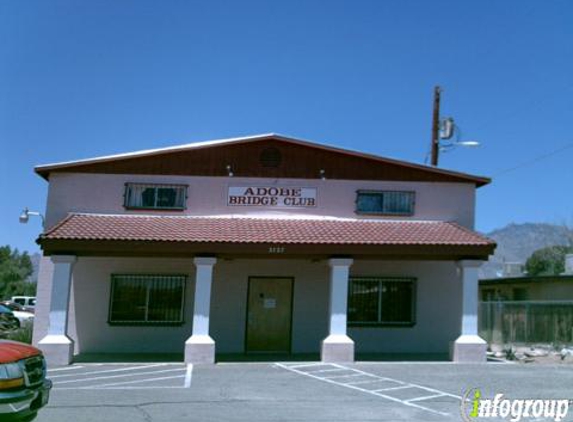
{"type": "Point", "coordinates": [103, 193]}
{"type": "Point", "coordinates": [438, 305]}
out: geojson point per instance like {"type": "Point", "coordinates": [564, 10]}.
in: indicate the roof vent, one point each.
{"type": "Point", "coordinates": [271, 157]}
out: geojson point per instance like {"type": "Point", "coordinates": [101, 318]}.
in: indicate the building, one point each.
{"type": "Point", "coordinates": [254, 245]}
{"type": "Point", "coordinates": [534, 288]}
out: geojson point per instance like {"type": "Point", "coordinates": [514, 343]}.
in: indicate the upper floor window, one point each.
{"type": "Point", "coordinates": [385, 202]}
{"type": "Point", "coordinates": [155, 196]}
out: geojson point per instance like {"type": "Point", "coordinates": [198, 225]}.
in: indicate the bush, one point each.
{"type": "Point", "coordinates": [547, 261]}
{"type": "Point", "coordinates": [23, 334]}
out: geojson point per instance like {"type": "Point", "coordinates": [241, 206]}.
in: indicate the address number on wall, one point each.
{"type": "Point", "coordinates": [276, 249]}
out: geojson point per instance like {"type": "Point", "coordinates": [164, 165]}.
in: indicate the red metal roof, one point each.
{"type": "Point", "coordinates": [262, 230]}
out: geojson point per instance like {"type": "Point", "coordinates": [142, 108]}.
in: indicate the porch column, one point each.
{"type": "Point", "coordinates": [469, 347]}
{"type": "Point", "coordinates": [338, 347]}
{"type": "Point", "coordinates": [200, 347]}
{"type": "Point", "coordinates": [58, 348]}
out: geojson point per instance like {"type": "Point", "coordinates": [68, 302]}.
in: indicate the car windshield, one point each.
{"type": "Point", "coordinates": [4, 309]}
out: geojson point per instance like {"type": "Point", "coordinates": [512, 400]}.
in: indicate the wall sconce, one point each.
{"type": "Point", "coordinates": [229, 171]}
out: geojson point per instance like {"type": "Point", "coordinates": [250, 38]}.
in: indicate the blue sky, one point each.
{"type": "Point", "coordinates": [82, 79]}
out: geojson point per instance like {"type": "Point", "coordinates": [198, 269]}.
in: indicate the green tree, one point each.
{"type": "Point", "coordinates": [547, 261]}
{"type": "Point", "coordinates": [15, 269]}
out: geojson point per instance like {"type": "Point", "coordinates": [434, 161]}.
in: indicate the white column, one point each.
{"type": "Point", "coordinates": [200, 347]}
{"type": "Point", "coordinates": [58, 348]}
{"type": "Point", "coordinates": [338, 347]}
{"type": "Point", "coordinates": [469, 347]}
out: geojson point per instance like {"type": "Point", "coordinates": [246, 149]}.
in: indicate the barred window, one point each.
{"type": "Point", "coordinates": [147, 299]}
{"type": "Point", "coordinates": [385, 202]}
{"type": "Point", "coordinates": [155, 196]}
{"type": "Point", "coordinates": [381, 301]}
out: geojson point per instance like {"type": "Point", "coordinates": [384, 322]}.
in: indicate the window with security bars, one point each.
{"type": "Point", "coordinates": [155, 196]}
{"type": "Point", "coordinates": [147, 299]}
{"type": "Point", "coordinates": [385, 202]}
{"type": "Point", "coordinates": [381, 301]}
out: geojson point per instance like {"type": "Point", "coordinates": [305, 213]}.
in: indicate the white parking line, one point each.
{"type": "Point", "coordinates": [345, 376]}
{"type": "Point", "coordinates": [137, 381]}
{"type": "Point", "coordinates": [133, 368]}
{"type": "Point", "coordinates": [402, 387]}
{"type": "Point", "coordinates": [325, 370]}
{"type": "Point", "coordinates": [118, 376]}
{"type": "Point", "coordinates": [381, 392]}
{"type": "Point", "coordinates": [305, 365]}
{"type": "Point", "coordinates": [434, 396]}
{"type": "Point", "coordinates": [67, 368]}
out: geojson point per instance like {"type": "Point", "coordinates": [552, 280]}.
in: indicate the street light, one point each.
{"type": "Point", "coordinates": [25, 216]}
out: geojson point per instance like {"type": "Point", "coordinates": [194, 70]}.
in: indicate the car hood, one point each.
{"type": "Point", "coordinates": [11, 351]}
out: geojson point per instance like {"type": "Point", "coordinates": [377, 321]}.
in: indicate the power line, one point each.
{"type": "Point", "coordinates": [534, 160]}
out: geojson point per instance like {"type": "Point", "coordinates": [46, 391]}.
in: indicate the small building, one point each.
{"type": "Point", "coordinates": [534, 288]}
{"type": "Point", "coordinates": [261, 244]}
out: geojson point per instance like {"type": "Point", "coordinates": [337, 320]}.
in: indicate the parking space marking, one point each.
{"type": "Point", "coordinates": [133, 368]}
{"type": "Point", "coordinates": [305, 365]}
{"type": "Point", "coordinates": [110, 377]}
{"type": "Point", "coordinates": [66, 368]}
{"type": "Point", "coordinates": [118, 376]}
{"type": "Point", "coordinates": [434, 396]}
{"type": "Point", "coordinates": [402, 387]}
{"type": "Point", "coordinates": [138, 381]}
{"type": "Point", "coordinates": [382, 393]}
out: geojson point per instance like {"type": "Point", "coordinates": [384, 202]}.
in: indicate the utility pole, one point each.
{"type": "Point", "coordinates": [436, 127]}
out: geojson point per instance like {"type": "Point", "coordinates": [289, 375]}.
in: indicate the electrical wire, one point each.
{"type": "Point", "coordinates": [534, 160]}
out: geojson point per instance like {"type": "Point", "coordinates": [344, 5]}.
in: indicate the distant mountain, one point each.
{"type": "Point", "coordinates": [516, 243]}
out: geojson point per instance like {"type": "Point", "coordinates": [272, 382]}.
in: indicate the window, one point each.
{"type": "Point", "coordinates": [147, 299]}
{"type": "Point", "coordinates": [385, 202]}
{"type": "Point", "coordinates": [146, 196]}
{"type": "Point", "coordinates": [381, 301]}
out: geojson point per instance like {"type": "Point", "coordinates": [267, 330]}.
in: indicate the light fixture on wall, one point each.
{"type": "Point", "coordinates": [229, 171]}
{"type": "Point", "coordinates": [322, 174]}
{"type": "Point", "coordinates": [25, 216]}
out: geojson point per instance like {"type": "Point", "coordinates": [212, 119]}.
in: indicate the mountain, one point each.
{"type": "Point", "coordinates": [516, 242]}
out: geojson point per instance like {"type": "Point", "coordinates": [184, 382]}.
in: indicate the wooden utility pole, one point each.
{"type": "Point", "coordinates": [436, 127]}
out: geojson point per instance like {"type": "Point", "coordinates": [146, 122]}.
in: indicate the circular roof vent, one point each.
{"type": "Point", "coordinates": [271, 157]}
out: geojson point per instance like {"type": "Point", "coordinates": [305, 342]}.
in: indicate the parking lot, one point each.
{"type": "Point", "coordinates": [290, 391]}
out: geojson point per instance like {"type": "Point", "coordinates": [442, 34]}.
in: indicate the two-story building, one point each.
{"type": "Point", "coordinates": [262, 244]}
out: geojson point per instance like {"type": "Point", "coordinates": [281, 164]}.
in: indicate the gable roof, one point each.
{"type": "Point", "coordinates": [303, 159]}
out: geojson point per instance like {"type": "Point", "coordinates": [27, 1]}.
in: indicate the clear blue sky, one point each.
{"type": "Point", "coordinates": [82, 79]}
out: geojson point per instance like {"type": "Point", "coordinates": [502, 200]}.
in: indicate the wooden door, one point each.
{"type": "Point", "coordinates": [269, 314]}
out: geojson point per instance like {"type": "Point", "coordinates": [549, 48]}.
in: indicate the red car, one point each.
{"type": "Point", "coordinates": [24, 388]}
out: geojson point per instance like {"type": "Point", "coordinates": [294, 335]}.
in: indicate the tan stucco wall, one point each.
{"type": "Point", "coordinates": [438, 305]}
{"type": "Point", "coordinates": [103, 193]}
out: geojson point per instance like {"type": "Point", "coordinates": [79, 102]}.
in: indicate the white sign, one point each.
{"type": "Point", "coordinates": [272, 196]}
{"type": "Point", "coordinates": [270, 303]}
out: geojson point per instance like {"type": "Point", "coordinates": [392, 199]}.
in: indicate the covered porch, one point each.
{"type": "Point", "coordinates": [315, 275]}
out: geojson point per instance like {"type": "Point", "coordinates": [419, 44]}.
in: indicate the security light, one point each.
{"type": "Point", "coordinates": [26, 213]}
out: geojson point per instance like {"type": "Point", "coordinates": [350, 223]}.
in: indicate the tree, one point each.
{"type": "Point", "coordinates": [15, 269]}
{"type": "Point", "coordinates": [547, 261]}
